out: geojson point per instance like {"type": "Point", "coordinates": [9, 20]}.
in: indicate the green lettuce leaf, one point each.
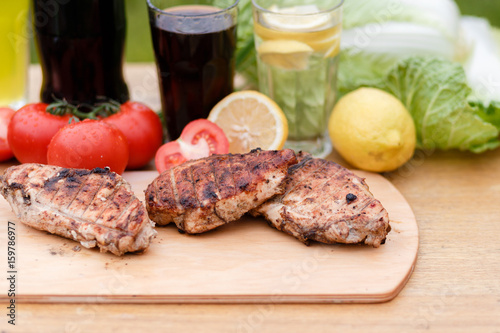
{"type": "Point", "coordinates": [435, 92]}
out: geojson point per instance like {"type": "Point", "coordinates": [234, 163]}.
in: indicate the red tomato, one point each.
{"type": "Point", "coordinates": [142, 128]}
{"type": "Point", "coordinates": [89, 144]}
{"type": "Point", "coordinates": [203, 129]}
{"type": "Point", "coordinates": [30, 131]}
{"type": "Point", "coordinates": [5, 117]}
{"type": "Point", "coordinates": [200, 138]}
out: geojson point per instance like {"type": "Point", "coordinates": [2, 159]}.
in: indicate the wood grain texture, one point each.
{"type": "Point", "coordinates": [454, 288]}
{"type": "Point", "coordinates": [245, 261]}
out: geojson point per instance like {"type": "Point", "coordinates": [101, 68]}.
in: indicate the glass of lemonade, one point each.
{"type": "Point", "coordinates": [194, 43]}
{"type": "Point", "coordinates": [14, 57]}
{"type": "Point", "coordinates": [298, 43]}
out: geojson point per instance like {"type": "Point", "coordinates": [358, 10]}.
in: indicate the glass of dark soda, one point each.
{"type": "Point", "coordinates": [80, 44]}
{"type": "Point", "coordinates": [194, 43]}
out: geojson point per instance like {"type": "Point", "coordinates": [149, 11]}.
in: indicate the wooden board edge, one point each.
{"type": "Point", "coordinates": [215, 299]}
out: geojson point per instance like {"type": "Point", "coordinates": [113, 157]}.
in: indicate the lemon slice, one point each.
{"type": "Point", "coordinates": [287, 54]}
{"type": "Point", "coordinates": [250, 120]}
{"type": "Point", "coordinates": [333, 50]}
{"type": "Point", "coordinates": [296, 18]}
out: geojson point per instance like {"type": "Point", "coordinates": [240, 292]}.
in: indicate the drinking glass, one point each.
{"type": "Point", "coordinates": [14, 57]}
{"type": "Point", "coordinates": [298, 43]}
{"type": "Point", "coordinates": [81, 47]}
{"type": "Point", "coordinates": [194, 43]}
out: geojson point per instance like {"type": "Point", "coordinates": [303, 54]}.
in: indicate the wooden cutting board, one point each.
{"type": "Point", "coordinates": [246, 261]}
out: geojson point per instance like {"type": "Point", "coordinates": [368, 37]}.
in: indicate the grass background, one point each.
{"type": "Point", "coordinates": [139, 48]}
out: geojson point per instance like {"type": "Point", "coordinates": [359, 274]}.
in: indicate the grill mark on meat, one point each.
{"type": "Point", "coordinates": [307, 187]}
{"type": "Point", "coordinates": [196, 196]}
{"type": "Point", "coordinates": [68, 189]}
{"type": "Point", "coordinates": [224, 184]}
{"type": "Point", "coordinates": [224, 176]}
{"type": "Point", "coordinates": [303, 173]}
{"type": "Point", "coordinates": [91, 197]}
{"type": "Point", "coordinates": [86, 195]}
{"type": "Point", "coordinates": [39, 177]}
{"type": "Point", "coordinates": [96, 206]}
{"type": "Point", "coordinates": [53, 185]}
{"type": "Point", "coordinates": [185, 188]}
{"type": "Point", "coordinates": [108, 201]}
{"type": "Point", "coordinates": [114, 208]}
{"type": "Point", "coordinates": [240, 174]}
{"type": "Point", "coordinates": [320, 192]}
{"type": "Point", "coordinates": [153, 199]}
{"type": "Point", "coordinates": [226, 187]}
{"type": "Point", "coordinates": [83, 182]}
{"type": "Point", "coordinates": [173, 183]}
{"type": "Point", "coordinates": [205, 185]}
{"type": "Point", "coordinates": [121, 223]}
{"type": "Point", "coordinates": [217, 187]}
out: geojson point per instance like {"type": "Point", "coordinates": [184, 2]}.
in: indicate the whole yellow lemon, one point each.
{"type": "Point", "coordinates": [372, 130]}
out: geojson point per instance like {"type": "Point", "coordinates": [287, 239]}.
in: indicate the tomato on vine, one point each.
{"type": "Point", "coordinates": [34, 125]}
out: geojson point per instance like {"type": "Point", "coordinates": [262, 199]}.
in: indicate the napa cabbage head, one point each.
{"type": "Point", "coordinates": [378, 34]}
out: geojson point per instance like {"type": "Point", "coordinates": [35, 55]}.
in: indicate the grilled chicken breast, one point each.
{"type": "Point", "coordinates": [96, 208]}
{"type": "Point", "coordinates": [327, 203]}
{"type": "Point", "coordinates": [203, 194]}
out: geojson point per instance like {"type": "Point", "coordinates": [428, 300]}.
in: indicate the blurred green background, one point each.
{"type": "Point", "coordinates": [139, 48]}
{"type": "Point", "coordinates": [139, 41]}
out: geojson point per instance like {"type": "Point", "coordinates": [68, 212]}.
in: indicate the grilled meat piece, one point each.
{"type": "Point", "coordinates": [96, 208]}
{"type": "Point", "coordinates": [325, 202]}
{"type": "Point", "coordinates": [203, 194]}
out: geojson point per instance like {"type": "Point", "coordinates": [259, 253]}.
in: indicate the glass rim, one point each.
{"type": "Point", "coordinates": [222, 10]}
{"type": "Point", "coordinates": [324, 11]}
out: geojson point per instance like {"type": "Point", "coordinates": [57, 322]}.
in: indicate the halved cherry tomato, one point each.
{"type": "Point", "coordinates": [200, 138]}
{"type": "Point", "coordinates": [89, 144]}
{"type": "Point", "coordinates": [142, 128]}
{"type": "Point", "coordinates": [30, 131]}
{"type": "Point", "coordinates": [203, 129]}
{"type": "Point", "coordinates": [5, 117]}
{"type": "Point", "coordinates": [168, 156]}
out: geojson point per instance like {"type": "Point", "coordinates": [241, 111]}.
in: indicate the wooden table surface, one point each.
{"type": "Point", "coordinates": [455, 287]}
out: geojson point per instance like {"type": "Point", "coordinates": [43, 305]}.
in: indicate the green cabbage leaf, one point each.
{"type": "Point", "coordinates": [436, 93]}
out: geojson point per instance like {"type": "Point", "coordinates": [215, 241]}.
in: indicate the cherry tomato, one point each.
{"type": "Point", "coordinates": [168, 156]}
{"type": "Point", "coordinates": [203, 129]}
{"type": "Point", "coordinates": [200, 138]}
{"type": "Point", "coordinates": [142, 128]}
{"type": "Point", "coordinates": [30, 131]}
{"type": "Point", "coordinates": [5, 117]}
{"type": "Point", "coordinates": [89, 144]}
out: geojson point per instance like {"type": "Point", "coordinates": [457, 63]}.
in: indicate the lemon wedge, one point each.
{"type": "Point", "coordinates": [287, 54]}
{"type": "Point", "coordinates": [250, 120]}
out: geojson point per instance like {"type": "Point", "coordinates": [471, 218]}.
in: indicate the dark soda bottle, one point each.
{"type": "Point", "coordinates": [80, 45]}
{"type": "Point", "coordinates": [195, 68]}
